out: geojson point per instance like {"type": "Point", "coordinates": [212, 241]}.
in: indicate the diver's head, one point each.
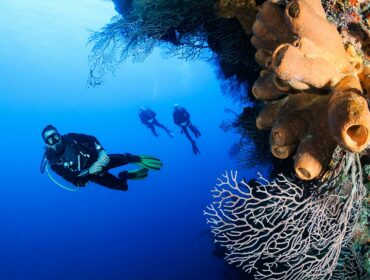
{"type": "Point", "coordinates": [141, 109]}
{"type": "Point", "coordinates": [176, 106]}
{"type": "Point", "coordinates": [52, 138]}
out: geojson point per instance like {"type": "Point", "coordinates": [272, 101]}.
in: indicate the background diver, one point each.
{"type": "Point", "coordinates": [148, 118]}
{"type": "Point", "coordinates": [181, 117]}
{"type": "Point", "coordinates": [80, 158]}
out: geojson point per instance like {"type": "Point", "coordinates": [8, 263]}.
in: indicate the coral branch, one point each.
{"type": "Point", "coordinates": [279, 229]}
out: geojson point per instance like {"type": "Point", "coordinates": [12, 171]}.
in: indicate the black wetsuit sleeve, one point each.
{"type": "Point", "coordinates": [84, 138]}
{"type": "Point", "coordinates": [185, 113]}
{"type": "Point", "coordinates": [176, 118]}
{"type": "Point", "coordinates": [86, 142]}
{"type": "Point", "coordinates": [151, 114]}
{"type": "Point", "coordinates": [143, 118]}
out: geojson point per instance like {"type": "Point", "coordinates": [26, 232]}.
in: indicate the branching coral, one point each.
{"type": "Point", "coordinates": [282, 230]}
{"type": "Point", "coordinates": [308, 66]}
{"type": "Point", "coordinates": [188, 29]}
{"type": "Point", "coordinates": [252, 145]}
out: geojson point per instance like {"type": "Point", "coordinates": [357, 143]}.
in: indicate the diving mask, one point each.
{"type": "Point", "coordinates": [52, 139]}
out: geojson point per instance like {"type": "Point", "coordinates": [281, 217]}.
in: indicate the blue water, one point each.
{"type": "Point", "coordinates": [156, 230]}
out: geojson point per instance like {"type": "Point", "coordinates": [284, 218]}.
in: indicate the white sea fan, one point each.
{"type": "Point", "coordinates": [279, 230]}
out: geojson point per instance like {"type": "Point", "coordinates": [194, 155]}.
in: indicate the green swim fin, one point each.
{"type": "Point", "coordinates": [137, 174]}
{"type": "Point", "coordinates": [149, 162]}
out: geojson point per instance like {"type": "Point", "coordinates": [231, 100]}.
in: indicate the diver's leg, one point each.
{"type": "Point", "coordinates": [186, 132]}
{"type": "Point", "coordinates": [194, 129]}
{"type": "Point", "coordinates": [195, 148]}
{"type": "Point", "coordinates": [157, 123]}
{"type": "Point", "coordinates": [152, 128]}
{"type": "Point", "coordinates": [116, 160]}
{"type": "Point", "coordinates": [110, 181]}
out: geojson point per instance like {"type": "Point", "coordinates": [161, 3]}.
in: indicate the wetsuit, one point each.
{"type": "Point", "coordinates": [181, 117]}
{"type": "Point", "coordinates": [79, 153]}
{"type": "Point", "coordinates": [148, 117]}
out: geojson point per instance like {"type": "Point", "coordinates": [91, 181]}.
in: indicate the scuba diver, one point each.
{"type": "Point", "coordinates": [80, 158]}
{"type": "Point", "coordinates": [181, 117]}
{"type": "Point", "coordinates": [148, 118]}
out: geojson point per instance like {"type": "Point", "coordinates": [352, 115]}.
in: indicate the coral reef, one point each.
{"type": "Point", "coordinates": [310, 84]}
{"type": "Point", "coordinates": [315, 90]}
{"type": "Point", "coordinates": [283, 229]}
{"type": "Point", "coordinates": [352, 18]}
{"type": "Point", "coordinates": [188, 29]}
{"type": "Point", "coordinates": [244, 10]}
{"type": "Point", "coordinates": [250, 151]}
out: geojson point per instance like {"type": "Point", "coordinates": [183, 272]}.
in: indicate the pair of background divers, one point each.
{"type": "Point", "coordinates": [80, 158]}
{"type": "Point", "coordinates": [181, 117]}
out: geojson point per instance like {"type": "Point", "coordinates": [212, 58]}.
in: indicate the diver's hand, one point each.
{"type": "Point", "coordinates": [103, 158]}
{"type": "Point", "coordinates": [95, 168]}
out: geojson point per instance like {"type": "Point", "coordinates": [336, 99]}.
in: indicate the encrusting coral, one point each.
{"type": "Point", "coordinates": [314, 88]}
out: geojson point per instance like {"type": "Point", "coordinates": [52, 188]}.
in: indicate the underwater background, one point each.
{"type": "Point", "coordinates": [156, 230]}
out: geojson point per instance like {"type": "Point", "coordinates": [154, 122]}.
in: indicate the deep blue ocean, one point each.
{"type": "Point", "coordinates": [155, 230]}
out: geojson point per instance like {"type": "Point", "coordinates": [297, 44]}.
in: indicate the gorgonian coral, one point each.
{"type": "Point", "coordinates": [282, 229]}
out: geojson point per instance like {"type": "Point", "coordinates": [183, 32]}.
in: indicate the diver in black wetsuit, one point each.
{"type": "Point", "coordinates": [80, 158]}
{"type": "Point", "coordinates": [148, 118]}
{"type": "Point", "coordinates": [181, 117]}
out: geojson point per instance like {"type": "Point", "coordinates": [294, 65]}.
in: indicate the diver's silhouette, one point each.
{"type": "Point", "coordinates": [181, 117]}
{"type": "Point", "coordinates": [80, 158]}
{"type": "Point", "coordinates": [148, 118]}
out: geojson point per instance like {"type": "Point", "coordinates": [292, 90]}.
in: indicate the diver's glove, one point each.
{"type": "Point", "coordinates": [95, 168]}
{"type": "Point", "coordinates": [103, 158]}
{"type": "Point", "coordinates": [149, 162]}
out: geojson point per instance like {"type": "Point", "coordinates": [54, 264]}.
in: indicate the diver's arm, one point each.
{"type": "Point", "coordinates": [186, 114]}
{"type": "Point", "coordinates": [176, 119]}
{"type": "Point", "coordinates": [95, 147]}
{"type": "Point", "coordinates": [84, 138]}
{"type": "Point", "coordinates": [98, 166]}
{"type": "Point", "coordinates": [143, 119]}
{"type": "Point", "coordinates": [152, 114]}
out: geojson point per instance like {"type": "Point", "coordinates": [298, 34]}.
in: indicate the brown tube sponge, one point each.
{"type": "Point", "coordinates": [349, 116]}
{"type": "Point", "coordinates": [271, 19]}
{"type": "Point", "coordinates": [365, 80]}
{"type": "Point", "coordinates": [301, 51]}
{"type": "Point", "coordinates": [306, 19]}
{"type": "Point", "coordinates": [267, 117]}
{"type": "Point", "coordinates": [263, 59]}
{"type": "Point", "coordinates": [301, 71]}
{"type": "Point", "coordinates": [313, 155]}
{"type": "Point", "coordinates": [288, 130]}
{"type": "Point", "coordinates": [300, 120]}
{"type": "Point", "coordinates": [317, 146]}
{"type": "Point", "coordinates": [265, 89]}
